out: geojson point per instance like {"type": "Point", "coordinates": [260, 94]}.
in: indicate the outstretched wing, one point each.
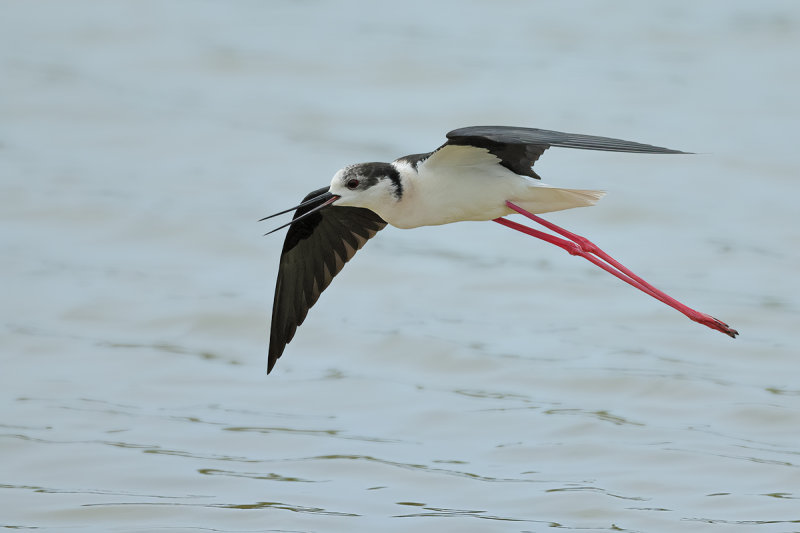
{"type": "Point", "coordinates": [519, 148]}
{"type": "Point", "coordinates": [315, 250]}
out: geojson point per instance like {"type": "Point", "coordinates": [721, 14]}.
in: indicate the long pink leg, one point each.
{"type": "Point", "coordinates": [573, 249]}
{"type": "Point", "coordinates": [578, 245]}
{"type": "Point", "coordinates": [576, 249]}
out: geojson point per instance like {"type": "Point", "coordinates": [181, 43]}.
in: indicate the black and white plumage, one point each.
{"type": "Point", "coordinates": [480, 173]}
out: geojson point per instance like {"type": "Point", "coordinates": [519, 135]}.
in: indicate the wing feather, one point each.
{"type": "Point", "coordinates": [519, 148]}
{"type": "Point", "coordinates": [314, 251]}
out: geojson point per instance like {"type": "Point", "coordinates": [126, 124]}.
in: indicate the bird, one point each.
{"type": "Point", "coordinates": [481, 173]}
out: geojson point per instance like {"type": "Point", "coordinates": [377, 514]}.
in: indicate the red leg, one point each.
{"type": "Point", "coordinates": [573, 249]}
{"type": "Point", "coordinates": [578, 245]}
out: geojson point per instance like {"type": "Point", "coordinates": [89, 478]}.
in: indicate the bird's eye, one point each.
{"type": "Point", "coordinates": [352, 183]}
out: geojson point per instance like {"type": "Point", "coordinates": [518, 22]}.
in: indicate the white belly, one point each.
{"type": "Point", "coordinates": [471, 194]}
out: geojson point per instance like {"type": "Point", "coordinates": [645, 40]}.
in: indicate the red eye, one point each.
{"type": "Point", "coordinates": [352, 183]}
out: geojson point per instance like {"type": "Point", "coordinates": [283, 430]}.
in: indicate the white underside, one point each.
{"type": "Point", "coordinates": [464, 183]}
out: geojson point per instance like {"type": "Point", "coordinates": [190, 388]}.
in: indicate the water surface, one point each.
{"type": "Point", "coordinates": [458, 378]}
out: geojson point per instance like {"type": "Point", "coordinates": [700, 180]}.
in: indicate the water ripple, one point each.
{"type": "Point", "coordinates": [598, 490]}
{"type": "Point", "coordinates": [50, 490]}
{"type": "Point", "coordinates": [419, 467]}
{"type": "Point", "coordinates": [169, 348]}
{"type": "Point", "coordinates": [312, 432]}
{"type": "Point", "coordinates": [242, 506]}
{"type": "Point", "coordinates": [254, 475]}
{"type": "Point", "coordinates": [741, 522]}
{"type": "Point", "coordinates": [600, 415]}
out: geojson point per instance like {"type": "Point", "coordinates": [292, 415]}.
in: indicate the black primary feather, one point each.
{"type": "Point", "coordinates": [314, 251]}
{"type": "Point", "coordinates": [519, 148]}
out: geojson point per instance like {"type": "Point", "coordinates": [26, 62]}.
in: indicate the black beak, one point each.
{"type": "Point", "coordinates": [307, 207]}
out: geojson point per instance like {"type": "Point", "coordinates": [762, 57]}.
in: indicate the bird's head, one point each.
{"type": "Point", "coordinates": [369, 185]}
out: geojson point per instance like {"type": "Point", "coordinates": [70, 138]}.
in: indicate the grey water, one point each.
{"type": "Point", "coordinates": [455, 378]}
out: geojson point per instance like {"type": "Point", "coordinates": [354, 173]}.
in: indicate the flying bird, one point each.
{"type": "Point", "coordinates": [480, 173]}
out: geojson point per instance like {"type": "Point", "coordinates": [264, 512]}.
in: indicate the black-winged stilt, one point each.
{"type": "Point", "coordinates": [480, 173]}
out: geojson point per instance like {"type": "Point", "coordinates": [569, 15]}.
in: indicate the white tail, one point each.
{"type": "Point", "coordinates": [543, 198]}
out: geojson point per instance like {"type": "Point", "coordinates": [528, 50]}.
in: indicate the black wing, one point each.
{"type": "Point", "coordinates": [519, 148]}
{"type": "Point", "coordinates": [315, 250]}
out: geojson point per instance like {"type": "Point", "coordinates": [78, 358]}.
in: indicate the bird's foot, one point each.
{"type": "Point", "coordinates": [715, 323]}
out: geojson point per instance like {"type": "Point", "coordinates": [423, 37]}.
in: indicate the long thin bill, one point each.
{"type": "Point", "coordinates": [326, 203]}
{"type": "Point", "coordinates": [578, 245]}
{"type": "Point", "coordinates": [307, 202]}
